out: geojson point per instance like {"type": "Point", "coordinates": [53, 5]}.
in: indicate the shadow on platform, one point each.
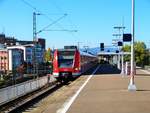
{"type": "Point", "coordinates": [104, 69]}
{"type": "Point", "coordinates": [142, 90]}
{"type": "Point", "coordinates": [108, 69]}
{"type": "Point", "coordinates": [142, 75]}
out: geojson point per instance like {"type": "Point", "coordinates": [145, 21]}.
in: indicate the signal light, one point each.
{"type": "Point", "coordinates": [120, 43]}
{"type": "Point", "coordinates": [117, 51]}
{"type": "Point", "coordinates": [102, 46]}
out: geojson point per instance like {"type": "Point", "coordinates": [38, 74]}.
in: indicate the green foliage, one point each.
{"type": "Point", "coordinates": [126, 48]}
{"type": "Point", "coordinates": [48, 56]}
{"type": "Point", "coordinates": [141, 53]}
{"type": "Point", "coordinates": [147, 58]}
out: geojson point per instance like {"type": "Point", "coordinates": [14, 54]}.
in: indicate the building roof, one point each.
{"type": "Point", "coordinates": [86, 54]}
{"type": "Point", "coordinates": [3, 49]}
{"type": "Point", "coordinates": [113, 53]}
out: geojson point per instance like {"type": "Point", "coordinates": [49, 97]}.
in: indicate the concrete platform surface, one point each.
{"type": "Point", "coordinates": [109, 94]}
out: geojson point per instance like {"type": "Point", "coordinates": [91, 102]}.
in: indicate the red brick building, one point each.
{"type": "Point", "coordinates": [4, 62]}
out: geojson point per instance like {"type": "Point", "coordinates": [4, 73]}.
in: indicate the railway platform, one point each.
{"type": "Point", "coordinates": [99, 93]}
{"type": "Point", "coordinates": [109, 94]}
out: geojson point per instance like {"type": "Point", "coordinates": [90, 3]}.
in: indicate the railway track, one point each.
{"type": "Point", "coordinates": [15, 104]}
{"type": "Point", "coordinates": [32, 98]}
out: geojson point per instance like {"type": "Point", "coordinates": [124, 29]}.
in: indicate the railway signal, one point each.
{"type": "Point", "coordinates": [120, 43]}
{"type": "Point", "coordinates": [102, 46]}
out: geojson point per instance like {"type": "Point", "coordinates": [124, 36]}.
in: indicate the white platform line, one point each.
{"type": "Point", "coordinates": [69, 102]}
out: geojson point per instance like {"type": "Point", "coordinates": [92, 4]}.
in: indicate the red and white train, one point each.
{"type": "Point", "coordinates": [70, 62]}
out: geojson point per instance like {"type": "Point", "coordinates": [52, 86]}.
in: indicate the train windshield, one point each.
{"type": "Point", "coordinates": [65, 59]}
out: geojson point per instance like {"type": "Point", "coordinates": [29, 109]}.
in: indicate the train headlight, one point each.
{"type": "Point", "coordinates": [76, 69]}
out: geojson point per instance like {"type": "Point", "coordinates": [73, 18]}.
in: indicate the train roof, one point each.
{"type": "Point", "coordinates": [66, 49]}
{"type": "Point", "coordinates": [81, 52]}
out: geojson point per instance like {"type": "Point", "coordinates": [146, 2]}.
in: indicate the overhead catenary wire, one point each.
{"type": "Point", "coordinates": [30, 5]}
{"type": "Point", "coordinates": [45, 15]}
{"type": "Point", "coordinates": [69, 20]}
{"type": "Point", "coordinates": [61, 30]}
{"type": "Point", "coordinates": [54, 22]}
{"type": "Point", "coordinates": [60, 26]}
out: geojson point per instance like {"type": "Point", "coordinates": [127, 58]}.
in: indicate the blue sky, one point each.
{"type": "Point", "coordinates": [94, 20]}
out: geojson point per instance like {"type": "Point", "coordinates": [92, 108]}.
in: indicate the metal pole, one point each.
{"type": "Point", "coordinates": [34, 26]}
{"type": "Point", "coordinates": [122, 63]}
{"type": "Point", "coordinates": [34, 42]}
{"type": "Point", "coordinates": [79, 45]}
{"type": "Point", "coordinates": [132, 86]}
{"type": "Point", "coordinates": [119, 59]}
{"type": "Point", "coordinates": [122, 70]}
{"type": "Point", "coordinates": [119, 49]}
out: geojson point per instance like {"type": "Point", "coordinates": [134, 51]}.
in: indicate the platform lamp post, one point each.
{"type": "Point", "coordinates": [132, 86]}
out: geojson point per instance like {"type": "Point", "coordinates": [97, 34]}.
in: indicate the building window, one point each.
{"type": "Point", "coordinates": [5, 58]}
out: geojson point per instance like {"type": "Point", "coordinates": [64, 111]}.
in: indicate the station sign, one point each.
{"type": "Point", "coordinates": [127, 37]}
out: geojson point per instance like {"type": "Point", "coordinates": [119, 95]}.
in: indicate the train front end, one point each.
{"type": "Point", "coordinates": [66, 63]}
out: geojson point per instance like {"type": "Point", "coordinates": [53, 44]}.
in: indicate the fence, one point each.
{"type": "Point", "coordinates": [12, 92]}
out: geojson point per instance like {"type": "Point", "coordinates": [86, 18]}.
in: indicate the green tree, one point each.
{"type": "Point", "coordinates": [147, 57]}
{"type": "Point", "coordinates": [48, 56]}
{"type": "Point", "coordinates": [127, 48]}
{"type": "Point", "coordinates": [140, 53]}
